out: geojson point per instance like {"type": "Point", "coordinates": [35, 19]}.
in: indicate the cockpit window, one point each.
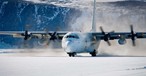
{"type": "Point", "coordinates": [72, 36]}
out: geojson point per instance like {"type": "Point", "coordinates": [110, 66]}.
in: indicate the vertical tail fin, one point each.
{"type": "Point", "coordinates": [93, 29]}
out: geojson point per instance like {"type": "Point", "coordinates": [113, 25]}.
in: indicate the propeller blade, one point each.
{"type": "Point", "coordinates": [131, 27]}
{"type": "Point", "coordinates": [49, 37]}
{"type": "Point", "coordinates": [132, 35]}
{"type": "Point", "coordinates": [106, 36]}
{"type": "Point", "coordinates": [54, 33]}
{"type": "Point", "coordinates": [53, 36]}
{"type": "Point", "coordinates": [26, 35]}
{"type": "Point", "coordinates": [102, 30]}
{"type": "Point", "coordinates": [108, 42]}
{"type": "Point", "coordinates": [133, 43]}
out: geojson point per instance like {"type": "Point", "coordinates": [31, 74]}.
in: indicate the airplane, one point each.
{"type": "Point", "coordinates": [74, 42]}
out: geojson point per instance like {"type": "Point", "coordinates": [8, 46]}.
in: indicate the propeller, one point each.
{"type": "Point", "coordinates": [133, 35]}
{"type": "Point", "coordinates": [26, 35]}
{"type": "Point", "coordinates": [53, 36]}
{"type": "Point", "coordinates": [48, 37]}
{"type": "Point", "coordinates": [106, 36]}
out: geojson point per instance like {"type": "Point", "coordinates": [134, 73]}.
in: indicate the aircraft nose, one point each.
{"type": "Point", "coordinates": [68, 42]}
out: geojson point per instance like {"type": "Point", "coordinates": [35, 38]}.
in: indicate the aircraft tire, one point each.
{"type": "Point", "coordinates": [93, 54]}
{"type": "Point", "coordinates": [71, 54]}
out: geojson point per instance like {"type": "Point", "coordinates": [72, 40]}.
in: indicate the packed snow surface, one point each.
{"type": "Point", "coordinates": [73, 66]}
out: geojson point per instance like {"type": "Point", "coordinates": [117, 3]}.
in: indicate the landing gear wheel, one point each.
{"type": "Point", "coordinates": [71, 54]}
{"type": "Point", "coordinates": [93, 54]}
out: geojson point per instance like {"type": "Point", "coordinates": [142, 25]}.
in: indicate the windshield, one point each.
{"type": "Point", "coordinates": [72, 36]}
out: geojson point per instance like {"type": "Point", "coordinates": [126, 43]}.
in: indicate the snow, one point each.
{"type": "Point", "coordinates": [76, 66]}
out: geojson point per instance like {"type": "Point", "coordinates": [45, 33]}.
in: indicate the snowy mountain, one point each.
{"type": "Point", "coordinates": [17, 14]}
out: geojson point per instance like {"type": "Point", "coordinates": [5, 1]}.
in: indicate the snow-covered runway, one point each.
{"type": "Point", "coordinates": [77, 66]}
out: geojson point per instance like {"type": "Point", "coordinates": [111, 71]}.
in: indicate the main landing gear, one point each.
{"type": "Point", "coordinates": [93, 54]}
{"type": "Point", "coordinates": [71, 54]}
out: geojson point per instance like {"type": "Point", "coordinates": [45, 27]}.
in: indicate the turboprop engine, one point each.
{"type": "Point", "coordinates": [44, 40]}
{"type": "Point", "coordinates": [122, 40]}
{"type": "Point", "coordinates": [47, 38]}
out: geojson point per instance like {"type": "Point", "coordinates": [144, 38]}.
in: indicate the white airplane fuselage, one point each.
{"type": "Point", "coordinates": [77, 42]}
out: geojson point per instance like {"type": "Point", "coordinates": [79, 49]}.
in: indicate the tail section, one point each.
{"type": "Point", "coordinates": [93, 29]}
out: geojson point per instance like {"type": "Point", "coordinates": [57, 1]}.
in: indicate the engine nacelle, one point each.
{"type": "Point", "coordinates": [122, 41]}
{"type": "Point", "coordinates": [43, 42]}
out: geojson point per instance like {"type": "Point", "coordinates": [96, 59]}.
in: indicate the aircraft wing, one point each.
{"type": "Point", "coordinates": [122, 36]}
{"type": "Point", "coordinates": [118, 35]}
{"type": "Point", "coordinates": [35, 34]}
